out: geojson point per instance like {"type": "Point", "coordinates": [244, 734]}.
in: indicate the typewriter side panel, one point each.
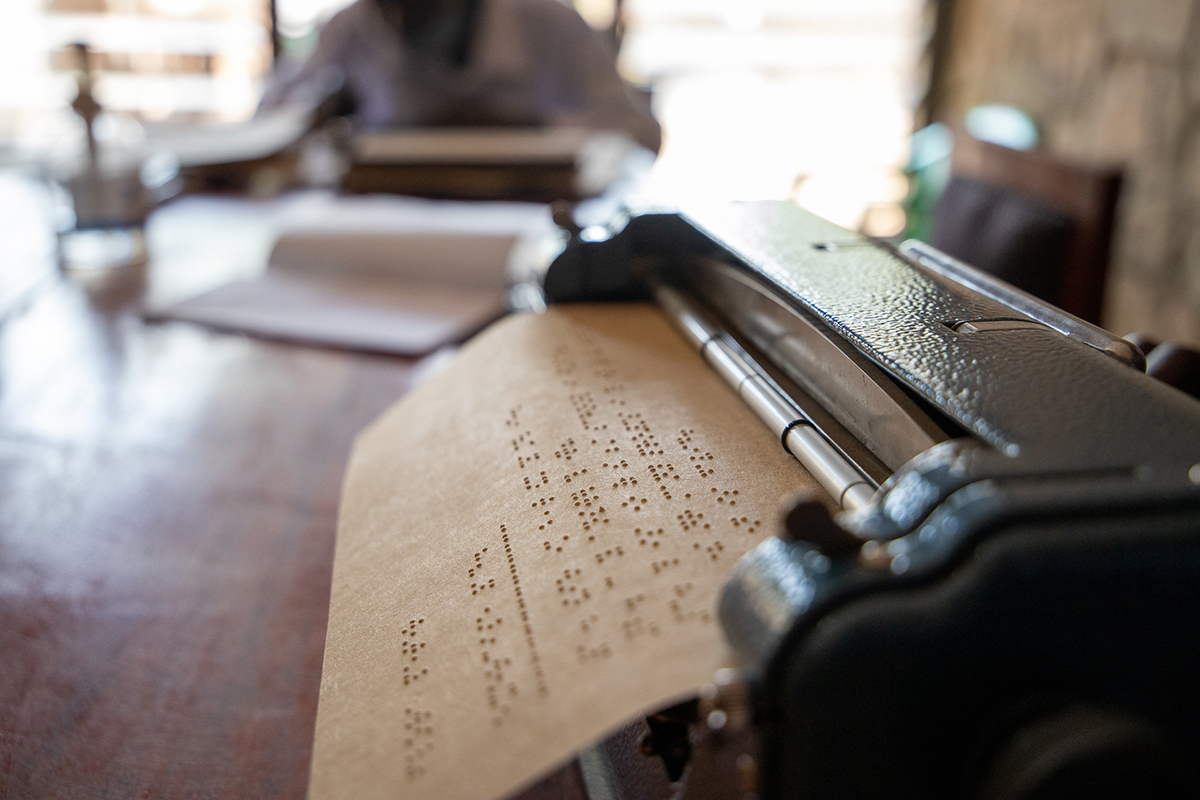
{"type": "Point", "coordinates": [1061, 653]}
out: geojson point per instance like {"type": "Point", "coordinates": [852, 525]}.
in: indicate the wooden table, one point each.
{"type": "Point", "coordinates": [168, 498]}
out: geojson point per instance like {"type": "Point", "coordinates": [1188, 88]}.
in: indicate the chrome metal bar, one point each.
{"type": "Point", "coordinates": [599, 778]}
{"type": "Point", "coordinates": [797, 434]}
{"type": "Point", "coordinates": [1024, 303]}
{"type": "Point", "coordinates": [854, 391]}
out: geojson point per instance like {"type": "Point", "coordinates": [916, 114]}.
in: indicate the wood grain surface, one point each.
{"type": "Point", "coordinates": [168, 499]}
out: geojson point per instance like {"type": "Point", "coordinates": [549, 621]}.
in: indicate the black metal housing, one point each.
{"type": "Point", "coordinates": [1043, 570]}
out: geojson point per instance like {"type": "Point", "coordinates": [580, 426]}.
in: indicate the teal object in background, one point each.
{"type": "Point", "coordinates": [928, 168]}
{"type": "Point", "coordinates": [928, 172]}
{"type": "Point", "coordinates": [1002, 125]}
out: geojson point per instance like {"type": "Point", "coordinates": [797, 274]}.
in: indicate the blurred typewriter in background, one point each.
{"type": "Point", "coordinates": [1007, 605]}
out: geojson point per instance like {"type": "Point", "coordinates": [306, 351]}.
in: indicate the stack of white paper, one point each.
{"type": "Point", "coordinates": [383, 274]}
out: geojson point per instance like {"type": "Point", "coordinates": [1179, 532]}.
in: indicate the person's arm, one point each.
{"type": "Point", "coordinates": [605, 100]}
{"type": "Point", "coordinates": [322, 74]}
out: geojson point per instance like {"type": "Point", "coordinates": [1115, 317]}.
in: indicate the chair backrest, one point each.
{"type": "Point", "coordinates": [1065, 214]}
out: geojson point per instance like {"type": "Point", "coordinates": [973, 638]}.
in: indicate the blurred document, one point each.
{"type": "Point", "coordinates": [549, 163]}
{"type": "Point", "coordinates": [381, 274]}
{"type": "Point", "coordinates": [260, 137]}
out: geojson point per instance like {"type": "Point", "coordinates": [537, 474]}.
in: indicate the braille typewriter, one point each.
{"type": "Point", "coordinates": [1008, 603]}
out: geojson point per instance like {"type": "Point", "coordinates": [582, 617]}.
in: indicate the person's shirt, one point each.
{"type": "Point", "coordinates": [529, 62]}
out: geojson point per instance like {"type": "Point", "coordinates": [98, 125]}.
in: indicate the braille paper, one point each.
{"type": "Point", "coordinates": [529, 552]}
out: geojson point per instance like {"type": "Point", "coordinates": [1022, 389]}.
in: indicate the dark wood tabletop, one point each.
{"type": "Point", "coordinates": [168, 501]}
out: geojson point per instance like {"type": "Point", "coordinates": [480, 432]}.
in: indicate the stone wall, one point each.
{"type": "Point", "coordinates": [1109, 82]}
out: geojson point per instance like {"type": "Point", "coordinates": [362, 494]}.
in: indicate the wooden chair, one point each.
{"type": "Point", "coordinates": [1066, 212]}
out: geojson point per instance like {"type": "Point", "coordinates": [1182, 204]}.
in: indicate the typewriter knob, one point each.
{"type": "Point", "coordinates": [807, 519]}
{"type": "Point", "coordinates": [1085, 752]}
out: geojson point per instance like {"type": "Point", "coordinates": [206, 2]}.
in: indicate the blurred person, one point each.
{"type": "Point", "coordinates": [469, 62]}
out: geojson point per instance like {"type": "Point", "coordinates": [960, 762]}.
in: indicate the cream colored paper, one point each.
{"type": "Point", "coordinates": [529, 551]}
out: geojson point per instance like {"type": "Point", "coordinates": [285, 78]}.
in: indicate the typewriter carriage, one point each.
{"type": "Point", "coordinates": [1018, 619]}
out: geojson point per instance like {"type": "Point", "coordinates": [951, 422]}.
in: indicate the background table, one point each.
{"type": "Point", "coordinates": [168, 506]}
{"type": "Point", "coordinates": [168, 499]}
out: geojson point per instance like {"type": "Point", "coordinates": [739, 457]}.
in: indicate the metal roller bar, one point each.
{"type": "Point", "coordinates": [796, 432]}
{"type": "Point", "coordinates": [1024, 303]}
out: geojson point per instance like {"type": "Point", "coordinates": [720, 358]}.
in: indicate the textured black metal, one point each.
{"type": "Point", "coordinates": [1021, 391]}
{"type": "Point", "coordinates": [914, 692]}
